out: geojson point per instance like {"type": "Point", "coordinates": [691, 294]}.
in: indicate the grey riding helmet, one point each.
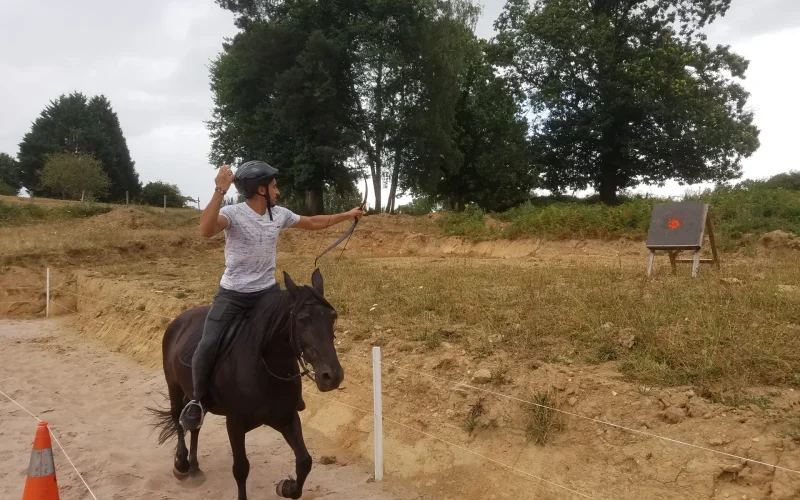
{"type": "Point", "coordinates": [249, 176]}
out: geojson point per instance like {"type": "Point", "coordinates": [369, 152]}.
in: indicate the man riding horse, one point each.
{"type": "Point", "coordinates": [251, 236]}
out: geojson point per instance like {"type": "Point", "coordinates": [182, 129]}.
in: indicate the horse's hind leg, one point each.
{"type": "Point", "coordinates": [176, 403]}
{"type": "Point", "coordinates": [293, 434]}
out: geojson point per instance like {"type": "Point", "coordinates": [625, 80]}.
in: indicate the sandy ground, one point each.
{"type": "Point", "coordinates": [95, 400]}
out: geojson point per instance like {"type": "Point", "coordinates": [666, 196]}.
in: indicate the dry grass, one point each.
{"type": "Point", "coordinates": [670, 330]}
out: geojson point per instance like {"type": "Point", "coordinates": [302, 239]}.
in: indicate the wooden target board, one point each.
{"type": "Point", "coordinates": [679, 226]}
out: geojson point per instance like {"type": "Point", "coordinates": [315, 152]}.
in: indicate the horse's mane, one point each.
{"type": "Point", "coordinates": [271, 313]}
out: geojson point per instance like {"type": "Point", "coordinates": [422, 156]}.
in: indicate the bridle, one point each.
{"type": "Point", "coordinates": [297, 349]}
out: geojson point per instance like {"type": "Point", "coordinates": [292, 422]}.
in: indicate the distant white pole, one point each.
{"type": "Point", "coordinates": [378, 411]}
{"type": "Point", "coordinates": [165, 203]}
{"type": "Point", "coordinates": [47, 296]}
{"type": "Point", "coordinates": [82, 193]}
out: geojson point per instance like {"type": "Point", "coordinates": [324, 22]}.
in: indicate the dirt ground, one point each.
{"type": "Point", "coordinates": [94, 402]}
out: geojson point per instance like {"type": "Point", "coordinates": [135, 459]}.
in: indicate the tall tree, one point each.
{"type": "Point", "coordinates": [399, 62]}
{"type": "Point", "coordinates": [628, 91]}
{"type": "Point", "coordinates": [495, 169]}
{"type": "Point", "coordinates": [75, 124]}
{"type": "Point", "coordinates": [9, 175]}
{"type": "Point", "coordinates": [281, 95]}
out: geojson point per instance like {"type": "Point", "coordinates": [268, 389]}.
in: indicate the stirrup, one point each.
{"type": "Point", "coordinates": [202, 413]}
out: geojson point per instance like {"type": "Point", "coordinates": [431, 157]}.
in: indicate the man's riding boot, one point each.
{"type": "Point", "coordinates": [301, 405]}
{"type": "Point", "coordinates": [192, 416]}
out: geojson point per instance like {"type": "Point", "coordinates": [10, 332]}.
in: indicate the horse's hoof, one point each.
{"type": "Point", "coordinates": [180, 475]}
{"type": "Point", "coordinates": [285, 487]}
{"type": "Point", "coordinates": [196, 472]}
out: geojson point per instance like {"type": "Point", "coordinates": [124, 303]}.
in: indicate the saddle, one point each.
{"type": "Point", "coordinates": [222, 349]}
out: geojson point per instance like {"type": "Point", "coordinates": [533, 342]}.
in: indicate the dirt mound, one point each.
{"type": "Point", "coordinates": [780, 240]}
{"type": "Point", "coordinates": [128, 218]}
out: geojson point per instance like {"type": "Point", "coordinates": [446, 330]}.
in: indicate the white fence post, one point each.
{"type": "Point", "coordinates": [47, 296]}
{"type": "Point", "coordinates": [378, 411]}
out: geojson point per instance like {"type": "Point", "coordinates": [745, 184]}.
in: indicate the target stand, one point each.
{"type": "Point", "coordinates": [681, 226]}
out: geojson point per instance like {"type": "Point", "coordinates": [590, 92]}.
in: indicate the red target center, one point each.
{"type": "Point", "coordinates": [674, 224]}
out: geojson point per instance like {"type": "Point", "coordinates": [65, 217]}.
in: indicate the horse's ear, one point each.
{"type": "Point", "coordinates": [289, 283]}
{"type": "Point", "coordinates": [316, 281]}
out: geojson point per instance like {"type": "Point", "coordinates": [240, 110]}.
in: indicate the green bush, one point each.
{"type": "Point", "coordinates": [748, 208]}
{"type": "Point", "coordinates": [17, 214]}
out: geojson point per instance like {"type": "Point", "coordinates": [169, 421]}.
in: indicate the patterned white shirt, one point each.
{"type": "Point", "coordinates": [250, 245]}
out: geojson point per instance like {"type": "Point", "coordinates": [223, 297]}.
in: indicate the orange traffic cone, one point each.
{"type": "Point", "coordinates": [41, 481]}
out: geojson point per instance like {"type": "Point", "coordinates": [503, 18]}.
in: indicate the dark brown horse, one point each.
{"type": "Point", "coordinates": [256, 380]}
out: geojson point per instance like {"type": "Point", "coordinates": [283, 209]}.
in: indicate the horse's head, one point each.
{"type": "Point", "coordinates": [313, 322]}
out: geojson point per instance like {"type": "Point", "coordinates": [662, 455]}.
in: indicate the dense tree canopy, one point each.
{"type": "Point", "coordinates": [628, 91]}
{"type": "Point", "coordinates": [78, 125]}
{"type": "Point", "coordinates": [571, 94]}
{"type": "Point", "coordinates": [153, 193]}
{"type": "Point", "coordinates": [10, 183]}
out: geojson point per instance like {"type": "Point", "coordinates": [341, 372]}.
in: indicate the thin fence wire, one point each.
{"type": "Point", "coordinates": [457, 446]}
{"type": "Point", "coordinates": [116, 305]}
{"type": "Point", "coordinates": [577, 415]}
{"type": "Point", "coordinates": [487, 391]}
{"type": "Point", "coordinates": [55, 438]}
{"type": "Point", "coordinates": [92, 320]}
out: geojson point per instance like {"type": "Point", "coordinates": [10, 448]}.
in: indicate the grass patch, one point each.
{"type": "Point", "coordinates": [686, 331]}
{"type": "Point", "coordinates": [18, 214]}
{"type": "Point", "coordinates": [543, 420]}
{"type": "Point", "coordinates": [473, 416]}
{"type": "Point", "coordinates": [750, 209]}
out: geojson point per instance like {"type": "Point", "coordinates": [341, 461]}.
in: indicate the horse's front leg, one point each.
{"type": "Point", "coordinates": [293, 434]}
{"type": "Point", "coordinates": [241, 466]}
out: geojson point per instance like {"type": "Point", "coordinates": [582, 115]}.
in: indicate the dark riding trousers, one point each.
{"type": "Point", "coordinates": [227, 305]}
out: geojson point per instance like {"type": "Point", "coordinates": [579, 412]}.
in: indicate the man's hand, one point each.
{"type": "Point", "coordinates": [356, 213]}
{"type": "Point", "coordinates": [224, 178]}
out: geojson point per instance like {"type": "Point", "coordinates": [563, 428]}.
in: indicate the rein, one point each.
{"type": "Point", "coordinates": [294, 342]}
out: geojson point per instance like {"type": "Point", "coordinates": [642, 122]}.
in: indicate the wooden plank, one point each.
{"type": "Point", "coordinates": [691, 261]}
{"type": "Point", "coordinates": [696, 264]}
{"type": "Point", "coordinates": [672, 255]}
{"type": "Point", "coordinates": [712, 241]}
{"type": "Point", "coordinates": [650, 263]}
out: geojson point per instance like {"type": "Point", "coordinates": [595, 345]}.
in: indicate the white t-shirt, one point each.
{"type": "Point", "coordinates": [250, 245]}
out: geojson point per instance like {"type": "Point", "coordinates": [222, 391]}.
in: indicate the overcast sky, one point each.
{"type": "Point", "coordinates": [151, 58]}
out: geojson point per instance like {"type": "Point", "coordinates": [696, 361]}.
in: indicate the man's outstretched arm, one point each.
{"type": "Point", "coordinates": [318, 222]}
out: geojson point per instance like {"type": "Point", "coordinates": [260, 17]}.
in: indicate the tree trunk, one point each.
{"type": "Point", "coordinates": [314, 201]}
{"type": "Point", "coordinates": [379, 137]}
{"type": "Point", "coordinates": [395, 176]}
{"type": "Point", "coordinates": [607, 183]}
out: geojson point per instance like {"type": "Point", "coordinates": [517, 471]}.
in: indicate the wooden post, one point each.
{"type": "Point", "coordinates": [165, 203]}
{"type": "Point", "coordinates": [126, 197]}
{"type": "Point", "coordinates": [377, 412]}
{"type": "Point", "coordinates": [82, 193]}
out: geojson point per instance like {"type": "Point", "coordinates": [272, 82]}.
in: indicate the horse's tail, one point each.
{"type": "Point", "coordinates": [163, 421]}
